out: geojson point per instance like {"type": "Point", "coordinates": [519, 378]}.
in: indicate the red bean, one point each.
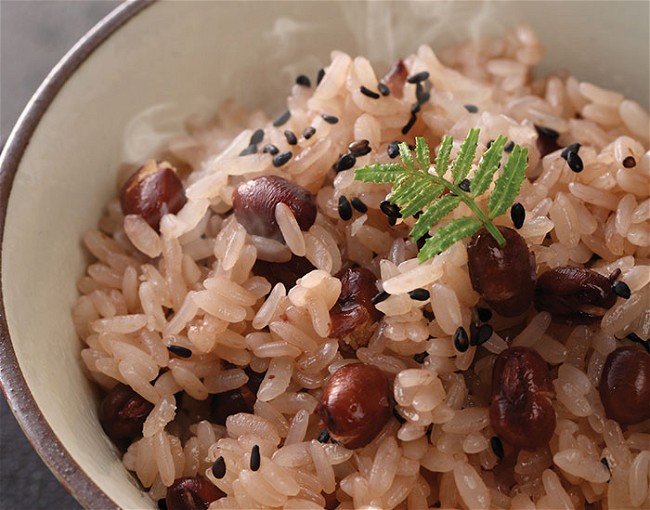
{"type": "Point", "coordinates": [286, 273]}
{"type": "Point", "coordinates": [396, 77]}
{"type": "Point", "coordinates": [153, 191]}
{"type": "Point", "coordinates": [353, 313]}
{"type": "Point", "coordinates": [240, 400]}
{"type": "Point", "coordinates": [192, 493]}
{"type": "Point", "coordinates": [123, 412]}
{"type": "Point", "coordinates": [625, 385]}
{"type": "Point", "coordinates": [254, 205]}
{"type": "Point", "coordinates": [574, 295]}
{"type": "Point", "coordinates": [503, 276]}
{"type": "Point", "coordinates": [356, 404]}
{"type": "Point", "coordinates": [521, 411]}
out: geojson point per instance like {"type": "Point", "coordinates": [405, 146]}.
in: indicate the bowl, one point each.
{"type": "Point", "coordinates": [157, 63]}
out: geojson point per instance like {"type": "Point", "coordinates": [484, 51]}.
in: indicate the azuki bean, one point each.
{"type": "Point", "coordinates": [625, 385]}
{"type": "Point", "coordinates": [521, 411]}
{"type": "Point", "coordinates": [240, 400]}
{"type": "Point", "coordinates": [286, 273]}
{"type": "Point", "coordinates": [123, 412]}
{"type": "Point", "coordinates": [192, 493]}
{"type": "Point", "coordinates": [503, 276]}
{"type": "Point", "coordinates": [574, 295]}
{"type": "Point", "coordinates": [254, 205]}
{"type": "Point", "coordinates": [153, 191]}
{"type": "Point", "coordinates": [356, 404]}
{"type": "Point", "coordinates": [395, 78]}
{"type": "Point", "coordinates": [354, 313]}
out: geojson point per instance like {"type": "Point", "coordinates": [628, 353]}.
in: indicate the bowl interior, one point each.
{"type": "Point", "coordinates": [170, 59]}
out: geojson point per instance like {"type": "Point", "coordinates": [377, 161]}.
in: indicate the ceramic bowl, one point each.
{"type": "Point", "coordinates": [167, 59]}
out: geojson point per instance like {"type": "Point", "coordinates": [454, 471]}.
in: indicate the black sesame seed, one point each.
{"type": "Point", "coordinates": [409, 124]}
{"type": "Point", "coordinates": [251, 149]}
{"type": "Point", "coordinates": [308, 132]}
{"type": "Point", "coordinates": [484, 314]}
{"type": "Point", "coordinates": [361, 152]}
{"type": "Point", "coordinates": [219, 468]}
{"type": "Point", "coordinates": [270, 149]}
{"type": "Point", "coordinates": [358, 145]}
{"type": "Point", "coordinates": [465, 185]}
{"type": "Point", "coordinates": [383, 88]}
{"type": "Point", "coordinates": [181, 352]}
{"type": "Point", "coordinates": [419, 294]}
{"type": "Point", "coordinates": [255, 458]}
{"type": "Point", "coordinates": [392, 221]}
{"type": "Point", "coordinates": [548, 132]}
{"type": "Point", "coordinates": [574, 147]}
{"type": "Point", "coordinates": [393, 150]}
{"type": "Point", "coordinates": [257, 137]}
{"type": "Point", "coordinates": [482, 335]}
{"type": "Point", "coordinates": [369, 93]}
{"type": "Point", "coordinates": [517, 215]}
{"type": "Point", "coordinates": [303, 80]}
{"type": "Point", "coordinates": [629, 162]}
{"type": "Point", "coordinates": [330, 119]}
{"type": "Point", "coordinates": [389, 209]}
{"type": "Point", "coordinates": [471, 108]}
{"type": "Point", "coordinates": [575, 162]}
{"type": "Point", "coordinates": [324, 436]}
{"type": "Point", "coordinates": [420, 357]}
{"type": "Point", "coordinates": [489, 144]}
{"type": "Point", "coordinates": [421, 242]}
{"type": "Point", "coordinates": [415, 108]}
{"type": "Point", "coordinates": [621, 289]}
{"type": "Point", "coordinates": [378, 298]}
{"type": "Point", "coordinates": [345, 209]}
{"type": "Point", "coordinates": [282, 158]}
{"type": "Point", "coordinates": [418, 77]}
{"type": "Point", "coordinates": [320, 75]}
{"type": "Point", "coordinates": [345, 162]}
{"type": "Point", "coordinates": [461, 342]}
{"type": "Point", "coordinates": [497, 446]}
{"type": "Point", "coordinates": [282, 118]}
{"type": "Point", "coordinates": [162, 504]}
{"type": "Point", "coordinates": [291, 137]}
{"type": "Point", "coordinates": [358, 204]}
{"type": "Point", "coordinates": [423, 98]}
{"type": "Point", "coordinates": [509, 146]}
{"type": "Point", "coordinates": [398, 416]}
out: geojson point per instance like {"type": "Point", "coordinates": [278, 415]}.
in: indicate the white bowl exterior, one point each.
{"type": "Point", "coordinates": [173, 52]}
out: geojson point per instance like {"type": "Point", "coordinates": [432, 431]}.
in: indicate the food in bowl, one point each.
{"type": "Point", "coordinates": [429, 288]}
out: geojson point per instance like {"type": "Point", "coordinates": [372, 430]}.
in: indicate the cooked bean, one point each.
{"type": "Point", "coordinates": [153, 191]}
{"type": "Point", "coordinates": [192, 493]}
{"type": "Point", "coordinates": [574, 295]}
{"type": "Point", "coordinates": [356, 404]}
{"type": "Point", "coordinates": [123, 412]}
{"type": "Point", "coordinates": [395, 78]}
{"type": "Point", "coordinates": [625, 385]}
{"type": "Point", "coordinates": [254, 205]}
{"type": "Point", "coordinates": [353, 315]}
{"type": "Point", "coordinates": [503, 276]}
{"type": "Point", "coordinates": [240, 400]}
{"type": "Point", "coordinates": [286, 273]}
{"type": "Point", "coordinates": [521, 411]}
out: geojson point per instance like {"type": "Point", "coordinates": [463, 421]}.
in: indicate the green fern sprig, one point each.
{"type": "Point", "coordinates": [416, 188]}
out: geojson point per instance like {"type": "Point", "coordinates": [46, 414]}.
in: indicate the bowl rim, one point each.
{"type": "Point", "coordinates": [12, 381]}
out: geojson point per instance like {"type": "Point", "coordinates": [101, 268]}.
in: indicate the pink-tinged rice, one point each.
{"type": "Point", "coordinates": [193, 285]}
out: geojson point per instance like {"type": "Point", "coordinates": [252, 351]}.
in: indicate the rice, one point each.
{"type": "Point", "coordinates": [195, 287]}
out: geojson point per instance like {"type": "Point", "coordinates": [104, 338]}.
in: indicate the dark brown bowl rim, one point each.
{"type": "Point", "coordinates": [13, 383]}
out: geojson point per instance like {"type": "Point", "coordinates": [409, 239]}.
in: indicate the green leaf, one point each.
{"type": "Point", "coordinates": [488, 166]}
{"type": "Point", "coordinates": [442, 160]}
{"type": "Point", "coordinates": [407, 156]}
{"type": "Point", "coordinates": [507, 186]}
{"type": "Point", "coordinates": [444, 237]}
{"type": "Point", "coordinates": [421, 199]}
{"type": "Point", "coordinates": [409, 186]}
{"type": "Point", "coordinates": [378, 173]}
{"type": "Point", "coordinates": [433, 215]}
{"type": "Point", "coordinates": [466, 153]}
{"type": "Point", "coordinates": [422, 154]}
